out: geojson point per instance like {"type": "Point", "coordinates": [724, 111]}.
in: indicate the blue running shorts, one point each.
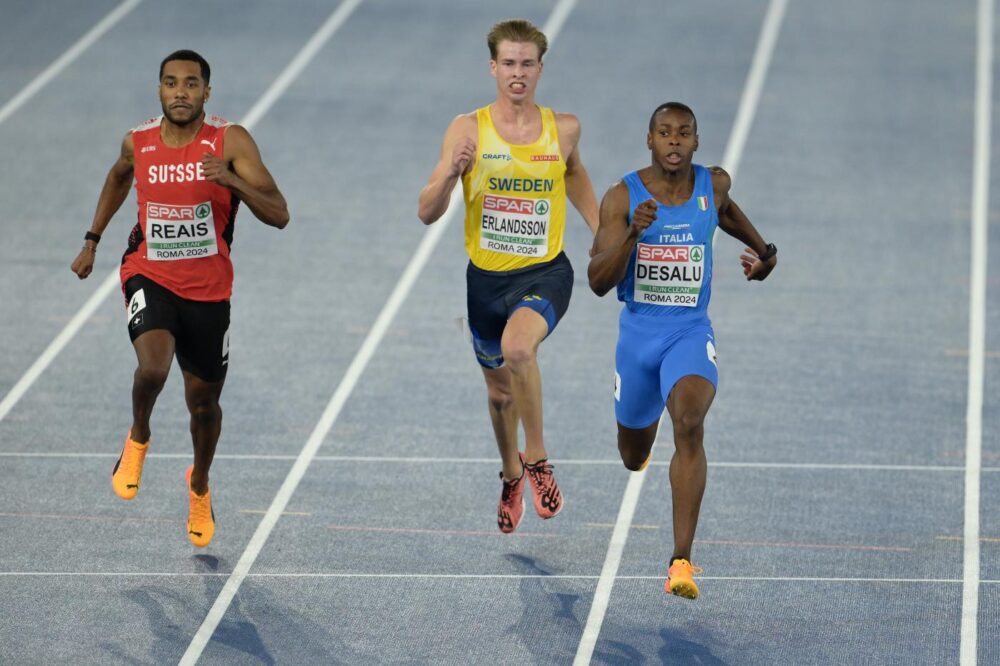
{"type": "Point", "coordinates": [652, 355]}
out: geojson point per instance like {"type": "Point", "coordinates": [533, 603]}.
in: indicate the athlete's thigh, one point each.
{"type": "Point", "coordinates": [498, 380]}
{"type": "Point", "coordinates": [690, 398]}
{"type": "Point", "coordinates": [203, 343]}
{"type": "Point", "coordinates": [487, 316]}
{"type": "Point", "coordinates": [546, 292]}
{"type": "Point", "coordinates": [152, 322]}
{"type": "Point", "coordinates": [692, 353]}
{"type": "Point", "coordinates": [198, 392]}
{"type": "Point", "coordinates": [525, 329]}
{"type": "Point", "coordinates": [637, 380]}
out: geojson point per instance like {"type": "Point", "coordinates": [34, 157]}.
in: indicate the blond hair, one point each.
{"type": "Point", "coordinates": [516, 30]}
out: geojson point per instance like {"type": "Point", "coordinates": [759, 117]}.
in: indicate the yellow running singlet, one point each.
{"type": "Point", "coordinates": [515, 198]}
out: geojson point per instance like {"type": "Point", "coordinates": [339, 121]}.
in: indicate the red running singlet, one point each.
{"type": "Point", "coordinates": [185, 226]}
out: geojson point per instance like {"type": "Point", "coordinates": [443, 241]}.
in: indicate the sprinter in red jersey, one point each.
{"type": "Point", "coordinates": [191, 172]}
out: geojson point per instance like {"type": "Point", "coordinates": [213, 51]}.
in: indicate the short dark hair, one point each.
{"type": "Point", "coordinates": [673, 106]}
{"type": "Point", "coordinates": [185, 54]}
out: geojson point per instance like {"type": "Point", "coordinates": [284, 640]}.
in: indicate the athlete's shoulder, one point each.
{"type": "Point", "coordinates": [217, 122]}
{"type": "Point", "coordinates": [721, 180]}
{"type": "Point", "coordinates": [567, 121]}
{"type": "Point", "coordinates": [147, 125]}
{"type": "Point", "coordinates": [471, 118]}
{"type": "Point", "coordinates": [616, 196]}
{"type": "Point", "coordinates": [464, 124]}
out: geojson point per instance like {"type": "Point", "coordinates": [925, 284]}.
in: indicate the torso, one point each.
{"type": "Point", "coordinates": [515, 194]}
{"type": "Point", "coordinates": [670, 271]}
{"type": "Point", "coordinates": [185, 228]}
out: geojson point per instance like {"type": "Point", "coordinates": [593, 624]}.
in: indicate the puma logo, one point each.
{"type": "Point", "coordinates": [208, 143]}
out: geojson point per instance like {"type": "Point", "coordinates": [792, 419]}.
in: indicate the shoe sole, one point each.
{"type": "Point", "coordinates": [684, 590]}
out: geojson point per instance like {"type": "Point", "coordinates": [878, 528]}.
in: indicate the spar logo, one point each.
{"type": "Point", "coordinates": [515, 205]}
{"type": "Point", "coordinates": [171, 213]}
{"type": "Point", "coordinates": [168, 212]}
{"type": "Point", "coordinates": [669, 253]}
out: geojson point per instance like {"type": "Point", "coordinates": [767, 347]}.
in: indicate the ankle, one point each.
{"type": "Point", "coordinates": [138, 436]}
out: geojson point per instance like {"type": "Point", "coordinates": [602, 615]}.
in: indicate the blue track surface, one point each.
{"type": "Point", "coordinates": [832, 526]}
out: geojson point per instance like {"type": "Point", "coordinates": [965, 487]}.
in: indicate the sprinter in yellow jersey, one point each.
{"type": "Point", "coordinates": [518, 163]}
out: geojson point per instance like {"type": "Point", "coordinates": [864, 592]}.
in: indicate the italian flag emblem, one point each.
{"type": "Point", "coordinates": [702, 203]}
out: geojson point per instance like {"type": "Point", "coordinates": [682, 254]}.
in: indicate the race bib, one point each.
{"type": "Point", "coordinates": [180, 232]}
{"type": "Point", "coordinates": [516, 226]}
{"type": "Point", "coordinates": [669, 274]}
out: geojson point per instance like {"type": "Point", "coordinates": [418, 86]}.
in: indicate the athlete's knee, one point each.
{"type": "Point", "coordinates": [150, 378]}
{"type": "Point", "coordinates": [635, 446]}
{"type": "Point", "coordinates": [518, 354]}
{"type": "Point", "coordinates": [205, 409]}
{"type": "Point", "coordinates": [500, 399]}
{"type": "Point", "coordinates": [633, 460]}
{"type": "Point", "coordinates": [688, 424]}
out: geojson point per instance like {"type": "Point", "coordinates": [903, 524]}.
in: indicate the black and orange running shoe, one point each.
{"type": "Point", "coordinates": [127, 473]}
{"type": "Point", "coordinates": [201, 518]}
{"type": "Point", "coordinates": [680, 579]}
{"type": "Point", "coordinates": [548, 499]}
{"type": "Point", "coordinates": [511, 507]}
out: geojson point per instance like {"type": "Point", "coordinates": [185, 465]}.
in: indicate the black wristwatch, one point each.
{"type": "Point", "coordinates": [769, 251]}
{"type": "Point", "coordinates": [91, 236]}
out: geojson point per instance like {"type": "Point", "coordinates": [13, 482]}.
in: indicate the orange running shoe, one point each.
{"type": "Point", "coordinates": [511, 507]}
{"type": "Point", "coordinates": [548, 499]}
{"type": "Point", "coordinates": [128, 470]}
{"type": "Point", "coordinates": [680, 579]}
{"type": "Point", "coordinates": [201, 517]}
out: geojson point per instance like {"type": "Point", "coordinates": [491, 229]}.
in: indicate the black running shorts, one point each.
{"type": "Point", "coordinates": [493, 298]}
{"type": "Point", "coordinates": [200, 329]}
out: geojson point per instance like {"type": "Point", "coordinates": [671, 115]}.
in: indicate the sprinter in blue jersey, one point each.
{"type": "Point", "coordinates": [654, 244]}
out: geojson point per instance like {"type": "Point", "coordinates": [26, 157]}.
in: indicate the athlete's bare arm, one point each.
{"type": "Point", "coordinates": [616, 238]}
{"type": "Point", "coordinates": [579, 190]}
{"type": "Point", "coordinates": [734, 222]}
{"type": "Point", "coordinates": [248, 178]}
{"type": "Point", "coordinates": [458, 154]}
{"type": "Point", "coordinates": [113, 195]}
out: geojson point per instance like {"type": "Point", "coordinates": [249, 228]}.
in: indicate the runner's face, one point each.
{"type": "Point", "coordinates": [517, 68]}
{"type": "Point", "coordinates": [183, 92]}
{"type": "Point", "coordinates": [673, 140]}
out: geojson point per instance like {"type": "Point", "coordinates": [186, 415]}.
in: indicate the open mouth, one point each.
{"type": "Point", "coordinates": [674, 158]}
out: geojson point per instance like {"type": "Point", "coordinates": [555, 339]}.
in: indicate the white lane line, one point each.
{"type": "Point", "coordinates": [417, 460]}
{"type": "Point", "coordinates": [977, 331]}
{"type": "Point", "coordinates": [406, 576]}
{"type": "Point", "coordinates": [300, 61]}
{"type": "Point", "coordinates": [750, 98]}
{"type": "Point", "coordinates": [733, 154]}
{"type": "Point", "coordinates": [57, 345]}
{"type": "Point", "coordinates": [609, 572]}
{"type": "Point", "coordinates": [108, 285]}
{"type": "Point", "coordinates": [340, 396]}
{"type": "Point", "coordinates": [63, 61]}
